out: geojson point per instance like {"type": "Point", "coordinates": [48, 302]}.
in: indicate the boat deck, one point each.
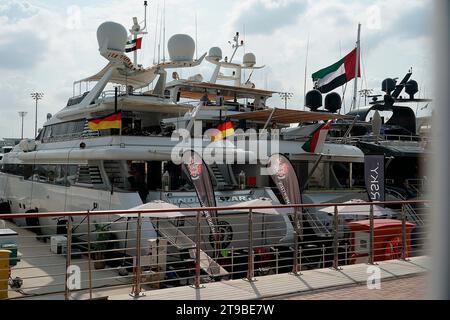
{"type": "Point", "coordinates": [284, 284]}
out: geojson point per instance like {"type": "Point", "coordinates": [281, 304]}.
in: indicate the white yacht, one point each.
{"type": "Point", "coordinates": [69, 166]}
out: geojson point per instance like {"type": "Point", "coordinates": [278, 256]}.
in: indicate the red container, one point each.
{"type": "Point", "coordinates": [387, 239]}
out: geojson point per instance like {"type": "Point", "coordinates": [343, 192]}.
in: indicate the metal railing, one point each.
{"type": "Point", "coordinates": [87, 254]}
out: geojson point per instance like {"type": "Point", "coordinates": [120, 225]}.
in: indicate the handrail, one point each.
{"type": "Point", "coordinates": [237, 208]}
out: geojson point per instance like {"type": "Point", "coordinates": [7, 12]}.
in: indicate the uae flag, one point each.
{"type": "Point", "coordinates": [337, 74]}
{"type": "Point", "coordinates": [133, 45]}
{"type": "Point", "coordinates": [316, 142]}
{"type": "Point", "coordinates": [225, 130]}
{"type": "Point", "coordinates": [113, 121]}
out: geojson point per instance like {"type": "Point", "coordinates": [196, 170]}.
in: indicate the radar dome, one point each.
{"type": "Point", "coordinates": [181, 47]}
{"type": "Point", "coordinates": [249, 59]}
{"type": "Point", "coordinates": [411, 88]}
{"type": "Point", "coordinates": [388, 85]}
{"type": "Point", "coordinates": [313, 100]}
{"type": "Point", "coordinates": [333, 102]}
{"type": "Point", "coordinates": [112, 36]}
{"type": "Point", "coordinates": [215, 53]}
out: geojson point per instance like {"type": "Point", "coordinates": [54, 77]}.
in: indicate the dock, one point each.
{"type": "Point", "coordinates": [274, 286]}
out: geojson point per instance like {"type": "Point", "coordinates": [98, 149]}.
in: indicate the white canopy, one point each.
{"type": "Point", "coordinates": [359, 210]}
{"type": "Point", "coordinates": [138, 78]}
{"type": "Point", "coordinates": [155, 205]}
{"type": "Point", "coordinates": [261, 202]}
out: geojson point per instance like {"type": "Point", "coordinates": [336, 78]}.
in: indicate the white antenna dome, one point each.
{"type": "Point", "coordinates": [215, 53]}
{"type": "Point", "coordinates": [249, 59]}
{"type": "Point", "coordinates": [111, 36]}
{"type": "Point", "coordinates": [181, 47]}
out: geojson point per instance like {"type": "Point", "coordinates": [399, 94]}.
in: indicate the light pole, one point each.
{"type": "Point", "coordinates": [365, 93]}
{"type": "Point", "coordinates": [285, 96]}
{"type": "Point", "coordinates": [36, 96]}
{"type": "Point", "coordinates": [22, 114]}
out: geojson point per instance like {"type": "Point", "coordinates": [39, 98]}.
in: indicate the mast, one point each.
{"type": "Point", "coordinates": [355, 82]}
{"type": "Point", "coordinates": [306, 70]}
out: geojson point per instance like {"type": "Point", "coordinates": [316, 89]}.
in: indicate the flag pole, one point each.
{"type": "Point", "coordinates": [358, 49]}
{"type": "Point", "coordinates": [306, 70]}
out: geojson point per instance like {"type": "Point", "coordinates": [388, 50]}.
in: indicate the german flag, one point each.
{"type": "Point", "coordinates": [113, 121]}
{"type": "Point", "coordinates": [225, 130]}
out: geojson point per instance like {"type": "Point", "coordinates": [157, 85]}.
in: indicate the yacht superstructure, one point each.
{"type": "Point", "coordinates": [70, 166]}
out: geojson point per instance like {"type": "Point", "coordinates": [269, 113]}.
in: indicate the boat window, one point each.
{"type": "Point", "coordinates": [64, 130]}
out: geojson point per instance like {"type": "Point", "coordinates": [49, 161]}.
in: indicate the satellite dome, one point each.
{"type": "Point", "coordinates": [411, 88]}
{"type": "Point", "coordinates": [215, 53]}
{"type": "Point", "coordinates": [181, 47]}
{"type": "Point", "coordinates": [249, 59]}
{"type": "Point", "coordinates": [388, 85]}
{"type": "Point", "coordinates": [313, 100]}
{"type": "Point", "coordinates": [333, 102]}
{"type": "Point", "coordinates": [112, 36]}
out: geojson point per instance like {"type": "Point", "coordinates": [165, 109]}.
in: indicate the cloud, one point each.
{"type": "Point", "coordinates": [21, 50]}
{"type": "Point", "coordinates": [266, 16]}
{"type": "Point", "coordinates": [16, 10]}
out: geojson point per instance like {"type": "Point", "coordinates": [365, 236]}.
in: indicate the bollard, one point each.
{"type": "Point", "coordinates": [371, 236]}
{"type": "Point", "coordinates": [197, 253]}
{"type": "Point", "coordinates": [4, 273]}
{"type": "Point", "coordinates": [250, 272]}
{"type": "Point", "coordinates": [336, 238]}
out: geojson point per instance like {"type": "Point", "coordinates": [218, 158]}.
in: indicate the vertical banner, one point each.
{"type": "Point", "coordinates": [285, 178]}
{"type": "Point", "coordinates": [374, 176]}
{"type": "Point", "coordinates": [194, 167]}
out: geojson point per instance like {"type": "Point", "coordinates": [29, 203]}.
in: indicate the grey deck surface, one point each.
{"type": "Point", "coordinates": [282, 284]}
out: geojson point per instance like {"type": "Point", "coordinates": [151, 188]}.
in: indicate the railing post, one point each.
{"type": "Point", "coordinates": [404, 244]}
{"type": "Point", "coordinates": [336, 238]}
{"type": "Point", "coordinates": [295, 262]}
{"type": "Point", "coordinates": [68, 257]}
{"type": "Point", "coordinates": [323, 256]}
{"type": "Point", "coordinates": [371, 236]}
{"type": "Point", "coordinates": [197, 252]}
{"type": "Point", "coordinates": [250, 271]}
{"type": "Point", "coordinates": [89, 254]}
{"type": "Point", "coordinates": [137, 288]}
{"type": "Point", "coordinates": [276, 261]}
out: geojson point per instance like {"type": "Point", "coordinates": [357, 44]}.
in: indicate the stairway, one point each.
{"type": "Point", "coordinates": [218, 176]}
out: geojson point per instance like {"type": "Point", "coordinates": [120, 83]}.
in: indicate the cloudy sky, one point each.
{"type": "Point", "coordinates": [46, 45]}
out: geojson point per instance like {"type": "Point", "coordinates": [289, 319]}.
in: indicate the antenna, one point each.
{"type": "Point", "coordinates": [235, 45]}
{"type": "Point", "coordinates": [156, 33]}
{"type": "Point", "coordinates": [136, 30]}
{"type": "Point", "coordinates": [196, 42]}
{"type": "Point", "coordinates": [358, 46]}
{"type": "Point", "coordinates": [164, 32]}
{"type": "Point", "coordinates": [306, 71]}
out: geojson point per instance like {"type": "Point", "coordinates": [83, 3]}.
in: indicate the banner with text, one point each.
{"type": "Point", "coordinates": [285, 178]}
{"type": "Point", "coordinates": [197, 172]}
{"type": "Point", "coordinates": [374, 177]}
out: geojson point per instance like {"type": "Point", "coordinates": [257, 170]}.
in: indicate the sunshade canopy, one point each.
{"type": "Point", "coordinates": [362, 210]}
{"type": "Point", "coordinates": [287, 116]}
{"type": "Point", "coordinates": [155, 205]}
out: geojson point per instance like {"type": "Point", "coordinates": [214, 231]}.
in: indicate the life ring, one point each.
{"type": "Point", "coordinates": [393, 249]}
